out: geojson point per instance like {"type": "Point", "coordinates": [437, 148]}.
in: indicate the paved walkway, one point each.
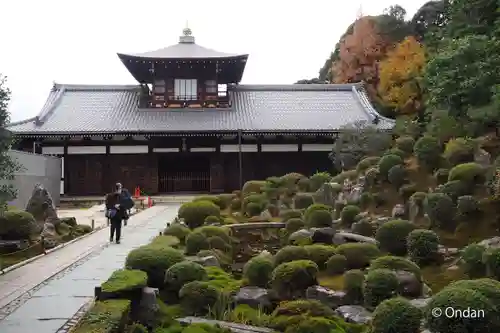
{"type": "Point", "coordinates": [45, 295]}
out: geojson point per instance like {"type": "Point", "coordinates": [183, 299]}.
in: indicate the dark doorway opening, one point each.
{"type": "Point", "coordinates": [184, 173]}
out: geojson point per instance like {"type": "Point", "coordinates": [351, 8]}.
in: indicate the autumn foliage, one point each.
{"type": "Point", "coordinates": [400, 76]}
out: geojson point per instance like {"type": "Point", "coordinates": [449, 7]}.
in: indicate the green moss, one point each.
{"type": "Point", "coordinates": [124, 280]}
{"type": "Point", "coordinates": [222, 280]}
{"type": "Point", "coordinates": [105, 317]}
{"type": "Point", "coordinates": [335, 282]}
{"type": "Point", "coordinates": [165, 240]}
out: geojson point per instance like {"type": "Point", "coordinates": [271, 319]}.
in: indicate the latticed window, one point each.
{"type": "Point", "coordinates": [185, 90]}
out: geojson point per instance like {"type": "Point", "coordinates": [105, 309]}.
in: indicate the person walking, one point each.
{"type": "Point", "coordinates": [126, 202]}
{"type": "Point", "coordinates": [115, 213]}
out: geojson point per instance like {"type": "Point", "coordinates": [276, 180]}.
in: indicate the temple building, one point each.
{"type": "Point", "coordinates": [189, 126]}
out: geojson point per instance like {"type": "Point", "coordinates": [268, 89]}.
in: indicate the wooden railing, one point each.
{"type": "Point", "coordinates": [149, 100]}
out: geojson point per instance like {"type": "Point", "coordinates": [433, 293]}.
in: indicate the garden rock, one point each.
{"type": "Point", "coordinates": [41, 206]}
{"type": "Point", "coordinates": [148, 307]}
{"type": "Point", "coordinates": [255, 297]}
{"type": "Point", "coordinates": [491, 243]}
{"type": "Point", "coordinates": [349, 237]}
{"type": "Point", "coordinates": [420, 303]}
{"type": "Point", "coordinates": [398, 211]}
{"type": "Point", "coordinates": [300, 234]}
{"type": "Point", "coordinates": [323, 235]}
{"type": "Point", "coordinates": [409, 285]}
{"type": "Point", "coordinates": [415, 210]}
{"type": "Point", "coordinates": [482, 157]}
{"type": "Point", "coordinates": [354, 314]}
{"type": "Point", "coordinates": [208, 261]}
{"type": "Point", "coordinates": [379, 221]}
{"type": "Point", "coordinates": [49, 234]}
{"type": "Point", "coordinates": [327, 296]}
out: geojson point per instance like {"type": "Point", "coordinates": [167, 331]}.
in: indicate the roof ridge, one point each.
{"type": "Point", "coordinates": [294, 87]}
{"type": "Point", "coordinates": [20, 122]}
{"type": "Point", "coordinates": [361, 96]}
{"type": "Point", "coordinates": [94, 87]}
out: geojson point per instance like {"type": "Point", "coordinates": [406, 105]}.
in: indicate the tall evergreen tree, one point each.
{"type": "Point", "coordinates": [8, 166]}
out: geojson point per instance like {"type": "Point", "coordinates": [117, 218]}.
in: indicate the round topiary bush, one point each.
{"type": "Point", "coordinates": [253, 186]}
{"type": "Point", "coordinates": [320, 253]}
{"type": "Point", "coordinates": [293, 278]}
{"type": "Point", "coordinates": [407, 190]}
{"type": "Point", "coordinates": [365, 200]}
{"type": "Point", "coordinates": [177, 230]}
{"type": "Point", "coordinates": [216, 200]}
{"type": "Point", "coordinates": [294, 224]}
{"type": "Point", "coordinates": [394, 263]}
{"type": "Point", "coordinates": [336, 264]}
{"type": "Point", "coordinates": [405, 143]}
{"type": "Point", "coordinates": [258, 270]}
{"type": "Point", "coordinates": [318, 179]}
{"type": "Point", "coordinates": [380, 284]}
{"type": "Point", "coordinates": [367, 163]}
{"type": "Point", "coordinates": [396, 151]}
{"type": "Point", "coordinates": [440, 209]}
{"type": "Point", "coordinates": [195, 242]}
{"type": "Point", "coordinates": [454, 189]}
{"type": "Point", "coordinates": [320, 219]}
{"type": "Point", "coordinates": [488, 287]}
{"type": "Point", "coordinates": [428, 152]}
{"type": "Point", "coordinates": [348, 214]}
{"type": "Point", "coordinates": [253, 209]}
{"type": "Point", "coordinates": [441, 176]}
{"type": "Point", "coordinates": [216, 242]}
{"type": "Point", "coordinates": [194, 213]}
{"type": "Point", "coordinates": [17, 224]}
{"type": "Point", "coordinates": [472, 257]}
{"type": "Point", "coordinates": [467, 207]}
{"type": "Point", "coordinates": [354, 281]}
{"type": "Point", "coordinates": [197, 297]}
{"type": "Point", "coordinates": [313, 208]}
{"type": "Point", "coordinates": [290, 253]}
{"type": "Point", "coordinates": [387, 162]}
{"type": "Point", "coordinates": [396, 315]}
{"type": "Point", "coordinates": [392, 236]}
{"type": "Point", "coordinates": [255, 199]}
{"type": "Point", "coordinates": [459, 150]}
{"type": "Point", "coordinates": [491, 259]}
{"type": "Point", "coordinates": [304, 185]}
{"type": "Point", "coordinates": [423, 246]}
{"type": "Point", "coordinates": [453, 301]}
{"type": "Point", "coordinates": [212, 220]}
{"type": "Point", "coordinates": [397, 175]}
{"type": "Point", "coordinates": [235, 204]}
{"type": "Point", "coordinates": [358, 255]}
{"type": "Point", "coordinates": [285, 215]}
{"type": "Point", "coordinates": [469, 173]}
{"type": "Point", "coordinates": [363, 228]}
{"type": "Point", "coordinates": [183, 272]}
{"type": "Point", "coordinates": [302, 200]}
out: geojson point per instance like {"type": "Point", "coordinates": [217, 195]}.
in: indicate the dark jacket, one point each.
{"type": "Point", "coordinates": [113, 199]}
{"type": "Point", "coordinates": [126, 200]}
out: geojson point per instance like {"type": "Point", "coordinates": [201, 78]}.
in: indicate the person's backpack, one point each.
{"type": "Point", "coordinates": [127, 201]}
{"type": "Point", "coordinates": [110, 213]}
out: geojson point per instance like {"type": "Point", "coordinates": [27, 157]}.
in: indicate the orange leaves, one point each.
{"type": "Point", "coordinates": [400, 73]}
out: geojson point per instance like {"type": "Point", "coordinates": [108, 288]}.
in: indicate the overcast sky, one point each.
{"type": "Point", "coordinates": [76, 41]}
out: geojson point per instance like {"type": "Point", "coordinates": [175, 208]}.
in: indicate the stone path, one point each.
{"type": "Point", "coordinates": [45, 295]}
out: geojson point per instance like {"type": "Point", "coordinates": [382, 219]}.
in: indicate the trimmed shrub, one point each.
{"type": "Point", "coordinates": [212, 220]}
{"type": "Point", "coordinates": [216, 242]}
{"type": "Point", "coordinates": [365, 200]}
{"type": "Point", "coordinates": [225, 199]}
{"type": "Point", "coordinates": [183, 272]}
{"type": "Point", "coordinates": [363, 228]}
{"type": "Point", "coordinates": [292, 278]}
{"type": "Point", "coordinates": [428, 152]}
{"type": "Point", "coordinates": [441, 176]}
{"type": "Point", "coordinates": [440, 210]}
{"type": "Point", "coordinates": [290, 253]}
{"type": "Point", "coordinates": [318, 179]}
{"type": "Point", "coordinates": [17, 224]}
{"type": "Point", "coordinates": [197, 297]}
{"type": "Point", "coordinates": [253, 209]}
{"type": "Point", "coordinates": [459, 150]}
{"type": "Point", "coordinates": [177, 230]}
{"type": "Point", "coordinates": [397, 176]}
{"type": "Point", "coordinates": [302, 200]}
{"type": "Point", "coordinates": [336, 264]}
{"type": "Point", "coordinates": [216, 200]}
{"type": "Point", "coordinates": [354, 281]}
{"type": "Point", "coordinates": [289, 214]}
{"type": "Point", "coordinates": [253, 186]}
{"type": "Point", "coordinates": [394, 263]}
{"type": "Point", "coordinates": [320, 219]}
{"type": "Point", "coordinates": [453, 189]}
{"type": "Point", "coordinates": [339, 179]}
{"type": "Point", "coordinates": [165, 240]}
{"type": "Point", "coordinates": [467, 207]}
{"type": "Point", "coordinates": [396, 151]}
{"type": "Point", "coordinates": [423, 246]}
{"type": "Point", "coordinates": [469, 173]}
{"type": "Point", "coordinates": [488, 287]}
{"type": "Point", "coordinates": [396, 315]}
{"type": "Point", "coordinates": [300, 239]}
{"type": "Point", "coordinates": [235, 204]}
{"type": "Point", "coordinates": [367, 163]}
{"type": "Point", "coordinates": [258, 270]}
{"type": "Point", "coordinates": [348, 214]}
{"type": "Point", "coordinates": [313, 208]}
{"type": "Point", "coordinates": [405, 143]}
{"type": "Point", "coordinates": [392, 236]}
{"type": "Point", "coordinates": [407, 190]}
{"type": "Point", "coordinates": [195, 242]}
{"type": "Point", "coordinates": [123, 280]}
{"type": "Point", "coordinates": [303, 307]}
{"type": "Point", "coordinates": [358, 255]}
{"type": "Point", "coordinates": [294, 224]}
{"type": "Point", "coordinates": [304, 185]}
{"type": "Point", "coordinates": [472, 256]}
{"type": "Point", "coordinates": [387, 162]}
{"type": "Point", "coordinates": [380, 284]}
{"type": "Point", "coordinates": [372, 176]}
{"type": "Point", "coordinates": [194, 213]}
{"type": "Point", "coordinates": [319, 253]}
{"type": "Point", "coordinates": [491, 259]}
{"type": "Point", "coordinates": [461, 299]}
{"type": "Point", "coordinates": [110, 314]}
{"type": "Point", "coordinates": [258, 199]}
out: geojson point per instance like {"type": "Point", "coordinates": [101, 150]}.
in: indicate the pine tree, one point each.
{"type": "Point", "coordinates": [8, 166]}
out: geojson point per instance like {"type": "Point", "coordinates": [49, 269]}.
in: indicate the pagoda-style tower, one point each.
{"type": "Point", "coordinates": [185, 75]}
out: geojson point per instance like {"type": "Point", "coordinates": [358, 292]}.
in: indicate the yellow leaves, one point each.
{"type": "Point", "coordinates": [400, 74]}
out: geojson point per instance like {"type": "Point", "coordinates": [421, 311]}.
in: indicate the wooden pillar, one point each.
{"type": "Point", "coordinates": [65, 175]}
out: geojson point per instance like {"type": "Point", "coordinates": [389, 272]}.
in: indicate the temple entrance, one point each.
{"type": "Point", "coordinates": [188, 173]}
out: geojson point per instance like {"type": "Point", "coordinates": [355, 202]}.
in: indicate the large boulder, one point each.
{"type": "Point", "coordinates": [50, 237]}
{"type": "Point", "coordinates": [148, 307]}
{"type": "Point", "coordinates": [41, 206]}
{"type": "Point", "coordinates": [323, 235]}
{"type": "Point", "coordinates": [255, 297]}
{"type": "Point", "coordinates": [327, 296]}
{"type": "Point", "coordinates": [354, 314]}
{"type": "Point", "coordinates": [409, 285]}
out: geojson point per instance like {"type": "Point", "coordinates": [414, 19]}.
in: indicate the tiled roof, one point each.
{"type": "Point", "coordinates": [82, 109]}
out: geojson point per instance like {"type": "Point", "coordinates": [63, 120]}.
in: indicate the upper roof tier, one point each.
{"type": "Point", "coordinates": [147, 66]}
